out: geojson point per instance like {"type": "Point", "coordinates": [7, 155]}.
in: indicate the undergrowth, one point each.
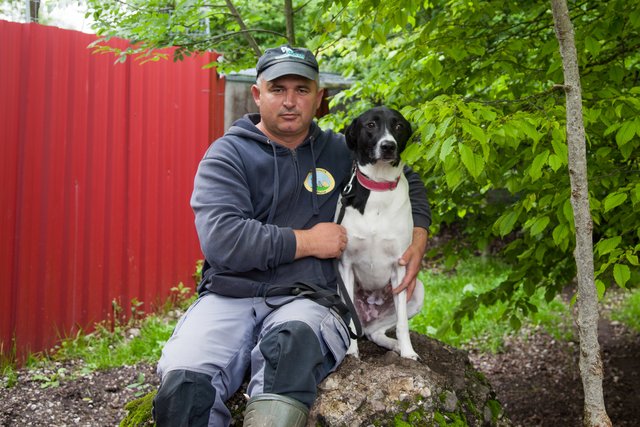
{"type": "Point", "coordinates": [485, 332]}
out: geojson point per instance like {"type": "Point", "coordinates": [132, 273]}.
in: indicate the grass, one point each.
{"type": "Point", "coordinates": [629, 311]}
{"type": "Point", "coordinates": [105, 348]}
{"type": "Point", "coordinates": [115, 343]}
{"type": "Point", "coordinates": [485, 331]}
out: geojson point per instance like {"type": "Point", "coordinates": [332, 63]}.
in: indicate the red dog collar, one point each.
{"type": "Point", "coordinates": [372, 185]}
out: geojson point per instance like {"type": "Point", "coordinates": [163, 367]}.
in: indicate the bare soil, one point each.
{"type": "Point", "coordinates": [536, 379]}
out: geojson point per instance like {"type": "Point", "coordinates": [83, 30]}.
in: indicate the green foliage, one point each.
{"type": "Point", "coordinates": [480, 327]}
{"type": "Point", "coordinates": [194, 26]}
{"type": "Point", "coordinates": [482, 84]}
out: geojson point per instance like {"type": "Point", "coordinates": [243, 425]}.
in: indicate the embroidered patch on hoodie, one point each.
{"type": "Point", "coordinates": [325, 181]}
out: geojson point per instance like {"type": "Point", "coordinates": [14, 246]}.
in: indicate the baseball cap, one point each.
{"type": "Point", "coordinates": [283, 60]}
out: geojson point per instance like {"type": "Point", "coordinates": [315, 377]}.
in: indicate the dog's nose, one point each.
{"type": "Point", "coordinates": [388, 147]}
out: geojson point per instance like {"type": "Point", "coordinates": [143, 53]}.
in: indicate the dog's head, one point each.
{"type": "Point", "coordinates": [378, 134]}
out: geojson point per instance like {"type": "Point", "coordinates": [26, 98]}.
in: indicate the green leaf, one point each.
{"type": "Point", "coordinates": [515, 322]}
{"type": "Point", "coordinates": [530, 130]}
{"type": "Point", "coordinates": [506, 222]}
{"type": "Point", "coordinates": [561, 235]}
{"type": "Point", "coordinates": [622, 274]}
{"type": "Point", "coordinates": [473, 162]}
{"type": "Point", "coordinates": [412, 153]}
{"type": "Point", "coordinates": [535, 171]}
{"type": "Point", "coordinates": [453, 176]}
{"type": "Point", "coordinates": [475, 131]}
{"type": "Point", "coordinates": [539, 224]}
{"type": "Point", "coordinates": [447, 147]}
{"type": "Point", "coordinates": [633, 259]}
{"type": "Point", "coordinates": [592, 45]}
{"type": "Point", "coordinates": [606, 246]}
{"type": "Point", "coordinates": [435, 67]}
{"type": "Point", "coordinates": [613, 200]}
{"type": "Point", "coordinates": [555, 162]}
{"type": "Point", "coordinates": [600, 288]}
{"type": "Point", "coordinates": [625, 133]}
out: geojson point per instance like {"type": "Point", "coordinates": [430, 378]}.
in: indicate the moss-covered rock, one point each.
{"type": "Point", "coordinates": [383, 389]}
{"type": "Point", "coordinates": [139, 411]}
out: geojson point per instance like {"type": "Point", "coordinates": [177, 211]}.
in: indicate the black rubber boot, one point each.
{"type": "Point", "coordinates": [275, 410]}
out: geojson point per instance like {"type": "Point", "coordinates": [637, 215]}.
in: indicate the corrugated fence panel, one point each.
{"type": "Point", "coordinates": [96, 169]}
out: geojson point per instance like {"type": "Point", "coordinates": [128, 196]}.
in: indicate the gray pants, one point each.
{"type": "Point", "coordinates": [288, 350]}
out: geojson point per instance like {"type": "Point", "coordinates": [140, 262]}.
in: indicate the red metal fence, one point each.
{"type": "Point", "coordinates": [96, 169]}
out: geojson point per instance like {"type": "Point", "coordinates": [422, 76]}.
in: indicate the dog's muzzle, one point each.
{"type": "Point", "coordinates": [387, 150]}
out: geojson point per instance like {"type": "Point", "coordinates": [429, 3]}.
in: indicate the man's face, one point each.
{"type": "Point", "coordinates": [287, 107]}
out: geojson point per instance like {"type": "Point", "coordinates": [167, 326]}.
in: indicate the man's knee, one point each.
{"type": "Point", "coordinates": [293, 361]}
{"type": "Point", "coordinates": [184, 398]}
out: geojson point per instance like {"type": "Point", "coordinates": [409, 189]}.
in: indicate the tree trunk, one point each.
{"type": "Point", "coordinates": [34, 10]}
{"type": "Point", "coordinates": [288, 16]}
{"type": "Point", "coordinates": [591, 369]}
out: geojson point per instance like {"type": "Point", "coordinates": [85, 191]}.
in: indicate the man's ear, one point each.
{"type": "Point", "coordinates": [319, 97]}
{"type": "Point", "coordinates": [255, 91]}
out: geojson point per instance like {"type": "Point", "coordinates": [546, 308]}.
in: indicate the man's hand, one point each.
{"type": "Point", "coordinates": [412, 259]}
{"type": "Point", "coordinates": [323, 240]}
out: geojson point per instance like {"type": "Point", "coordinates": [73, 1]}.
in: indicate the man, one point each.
{"type": "Point", "coordinates": [264, 199]}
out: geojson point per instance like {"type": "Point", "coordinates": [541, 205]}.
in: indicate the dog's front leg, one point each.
{"type": "Point", "coordinates": [402, 321]}
{"type": "Point", "coordinates": [348, 278]}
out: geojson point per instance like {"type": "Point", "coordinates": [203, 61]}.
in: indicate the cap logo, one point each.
{"type": "Point", "coordinates": [289, 52]}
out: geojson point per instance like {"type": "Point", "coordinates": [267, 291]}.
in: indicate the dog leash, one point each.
{"type": "Point", "coordinates": [342, 289]}
{"type": "Point", "coordinates": [346, 193]}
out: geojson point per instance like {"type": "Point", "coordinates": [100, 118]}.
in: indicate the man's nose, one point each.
{"type": "Point", "coordinates": [290, 98]}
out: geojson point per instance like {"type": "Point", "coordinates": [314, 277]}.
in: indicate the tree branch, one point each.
{"type": "Point", "coordinates": [247, 35]}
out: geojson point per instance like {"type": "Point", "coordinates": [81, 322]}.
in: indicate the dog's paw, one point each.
{"type": "Point", "coordinates": [410, 355]}
{"type": "Point", "coordinates": [353, 350]}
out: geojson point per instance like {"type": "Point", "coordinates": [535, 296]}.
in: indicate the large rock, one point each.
{"type": "Point", "coordinates": [383, 389]}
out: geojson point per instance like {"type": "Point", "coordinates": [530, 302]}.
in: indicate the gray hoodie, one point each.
{"type": "Point", "coordinates": [249, 195]}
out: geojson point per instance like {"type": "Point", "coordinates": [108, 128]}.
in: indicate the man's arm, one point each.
{"type": "Point", "coordinates": [323, 240]}
{"type": "Point", "coordinates": [412, 259]}
{"type": "Point", "coordinates": [421, 212]}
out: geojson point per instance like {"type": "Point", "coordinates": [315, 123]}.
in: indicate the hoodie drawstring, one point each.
{"type": "Point", "coordinates": [276, 185]}
{"type": "Point", "coordinates": [314, 178]}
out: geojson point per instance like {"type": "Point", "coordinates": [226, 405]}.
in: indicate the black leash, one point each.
{"type": "Point", "coordinates": [342, 290]}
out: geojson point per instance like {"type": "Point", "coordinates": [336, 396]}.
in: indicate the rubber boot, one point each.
{"type": "Point", "coordinates": [275, 410]}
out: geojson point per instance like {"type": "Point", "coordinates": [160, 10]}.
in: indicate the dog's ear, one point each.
{"type": "Point", "coordinates": [351, 134]}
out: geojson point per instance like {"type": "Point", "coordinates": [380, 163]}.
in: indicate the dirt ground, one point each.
{"type": "Point", "coordinates": [536, 379]}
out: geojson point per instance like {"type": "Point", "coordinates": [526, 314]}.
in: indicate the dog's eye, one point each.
{"type": "Point", "coordinates": [371, 125]}
{"type": "Point", "coordinates": [398, 126]}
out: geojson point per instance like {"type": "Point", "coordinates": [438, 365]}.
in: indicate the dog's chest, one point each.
{"type": "Point", "coordinates": [379, 235]}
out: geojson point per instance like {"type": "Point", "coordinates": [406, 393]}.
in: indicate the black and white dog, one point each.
{"type": "Point", "coordinates": [379, 224]}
